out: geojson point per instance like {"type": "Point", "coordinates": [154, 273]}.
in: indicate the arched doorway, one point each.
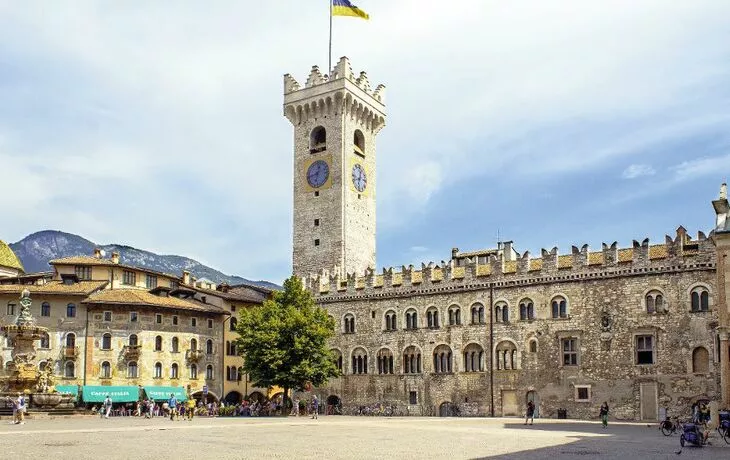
{"type": "Point", "coordinates": [233, 398]}
{"type": "Point", "coordinates": [447, 409]}
{"type": "Point", "coordinates": [535, 398]}
{"type": "Point", "coordinates": [212, 397]}
{"type": "Point", "coordinates": [256, 396]}
{"type": "Point", "coordinates": [334, 405]}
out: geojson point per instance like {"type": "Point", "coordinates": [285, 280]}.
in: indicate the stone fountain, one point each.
{"type": "Point", "coordinates": [24, 374]}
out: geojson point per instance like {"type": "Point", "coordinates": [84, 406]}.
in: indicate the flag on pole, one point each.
{"type": "Point", "coordinates": [345, 8]}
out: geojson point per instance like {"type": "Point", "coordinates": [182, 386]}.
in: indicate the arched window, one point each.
{"type": "Point", "coordinates": [133, 341]}
{"type": "Point", "coordinates": [412, 360]}
{"type": "Point", "coordinates": [432, 318]}
{"type": "Point", "coordinates": [477, 313]}
{"type": "Point", "coordinates": [501, 312]}
{"type": "Point", "coordinates": [359, 361]}
{"type": "Point", "coordinates": [158, 370]}
{"type": "Point", "coordinates": [71, 340]}
{"type": "Point", "coordinates": [454, 315]}
{"type": "Point", "coordinates": [559, 307]}
{"type": "Point", "coordinates": [337, 358]}
{"type": "Point", "coordinates": [234, 323]}
{"type": "Point", "coordinates": [318, 140]}
{"type": "Point", "coordinates": [359, 141]}
{"type": "Point", "coordinates": [655, 302]}
{"type": "Point", "coordinates": [385, 361]}
{"type": "Point", "coordinates": [349, 323]}
{"type": "Point", "coordinates": [700, 360]}
{"type": "Point", "coordinates": [175, 345]}
{"type": "Point", "coordinates": [498, 313]}
{"type": "Point", "coordinates": [209, 347]}
{"type": "Point", "coordinates": [193, 371]}
{"type": "Point", "coordinates": [193, 344]}
{"type": "Point", "coordinates": [174, 371]}
{"type": "Point", "coordinates": [533, 346]}
{"type": "Point", "coordinates": [45, 341]}
{"type": "Point", "coordinates": [442, 360]}
{"type": "Point", "coordinates": [45, 309]}
{"type": "Point", "coordinates": [700, 299]}
{"type": "Point", "coordinates": [390, 321]}
{"type": "Point", "coordinates": [158, 343]}
{"type": "Point", "coordinates": [106, 370]}
{"type": "Point", "coordinates": [527, 310]}
{"type": "Point", "coordinates": [106, 341]}
{"type": "Point", "coordinates": [505, 356]}
{"type": "Point", "coordinates": [411, 319]}
{"type": "Point", "coordinates": [132, 370]}
{"type": "Point", "coordinates": [209, 372]}
{"type": "Point", "coordinates": [473, 358]}
{"type": "Point", "coordinates": [69, 370]}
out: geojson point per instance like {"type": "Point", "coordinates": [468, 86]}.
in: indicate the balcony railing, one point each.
{"type": "Point", "coordinates": [70, 352]}
{"type": "Point", "coordinates": [194, 355]}
{"type": "Point", "coordinates": [132, 352]}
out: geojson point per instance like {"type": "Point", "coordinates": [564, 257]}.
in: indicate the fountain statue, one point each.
{"type": "Point", "coordinates": [24, 375]}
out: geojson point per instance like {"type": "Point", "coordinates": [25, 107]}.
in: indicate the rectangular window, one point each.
{"type": "Point", "coordinates": [570, 351]}
{"type": "Point", "coordinates": [129, 278]}
{"type": "Point", "coordinates": [194, 322]}
{"type": "Point", "coordinates": [11, 309]}
{"type": "Point", "coordinates": [582, 393]}
{"type": "Point", "coordinates": [151, 281]}
{"type": "Point", "coordinates": [70, 311]}
{"type": "Point", "coordinates": [107, 316]}
{"type": "Point", "coordinates": [413, 397]}
{"type": "Point", "coordinates": [174, 320]}
{"type": "Point", "coordinates": [132, 316]}
{"type": "Point", "coordinates": [644, 349]}
{"type": "Point", "coordinates": [174, 284]}
{"type": "Point", "coordinates": [45, 309]}
{"type": "Point", "coordinates": [82, 272]}
{"type": "Point", "coordinates": [158, 318]}
{"type": "Point", "coordinates": [210, 324]}
{"type": "Point", "coordinates": [316, 222]}
{"type": "Point", "coordinates": [316, 242]}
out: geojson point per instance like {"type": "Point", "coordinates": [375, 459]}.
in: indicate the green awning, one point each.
{"type": "Point", "coordinates": [91, 394]}
{"type": "Point", "coordinates": [163, 393]}
{"type": "Point", "coordinates": [73, 389]}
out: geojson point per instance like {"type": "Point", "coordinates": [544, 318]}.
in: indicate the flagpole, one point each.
{"type": "Point", "coordinates": [329, 63]}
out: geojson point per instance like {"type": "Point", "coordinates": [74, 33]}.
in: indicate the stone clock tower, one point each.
{"type": "Point", "coordinates": [336, 121]}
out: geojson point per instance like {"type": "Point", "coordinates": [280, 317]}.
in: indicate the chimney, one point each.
{"type": "Point", "coordinates": [186, 278]}
{"type": "Point", "coordinates": [723, 191]}
{"type": "Point", "coordinates": [97, 253]}
{"type": "Point", "coordinates": [115, 257]}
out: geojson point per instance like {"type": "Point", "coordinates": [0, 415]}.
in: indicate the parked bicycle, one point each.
{"type": "Point", "coordinates": [724, 427]}
{"type": "Point", "coordinates": [670, 426]}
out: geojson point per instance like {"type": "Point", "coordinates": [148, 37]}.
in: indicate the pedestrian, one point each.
{"type": "Point", "coordinates": [315, 407]}
{"type": "Point", "coordinates": [172, 404]}
{"type": "Point", "coordinates": [295, 408]}
{"type": "Point", "coordinates": [696, 413]}
{"type": "Point", "coordinates": [530, 415]}
{"type": "Point", "coordinates": [107, 406]}
{"type": "Point", "coordinates": [21, 409]}
{"type": "Point", "coordinates": [191, 409]}
{"type": "Point", "coordinates": [604, 414]}
{"type": "Point", "coordinates": [15, 409]}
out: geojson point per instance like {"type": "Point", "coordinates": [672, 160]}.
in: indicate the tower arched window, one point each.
{"type": "Point", "coordinates": [559, 307]}
{"type": "Point", "coordinates": [209, 372]}
{"type": "Point", "coordinates": [106, 370]}
{"type": "Point", "coordinates": [527, 310]}
{"type": "Point", "coordinates": [359, 361]}
{"type": "Point", "coordinates": [193, 344]}
{"type": "Point", "coordinates": [209, 347]}
{"type": "Point", "coordinates": [193, 371]}
{"type": "Point", "coordinates": [432, 318]}
{"type": "Point", "coordinates": [318, 140]}
{"type": "Point", "coordinates": [133, 340]}
{"type": "Point", "coordinates": [385, 361]}
{"type": "Point", "coordinates": [442, 360]}
{"type": "Point", "coordinates": [412, 360]}
{"type": "Point", "coordinates": [501, 312]}
{"type": "Point", "coordinates": [505, 356]}
{"type": "Point", "coordinates": [390, 321]}
{"type": "Point", "coordinates": [655, 302]}
{"type": "Point", "coordinates": [700, 298]}
{"type": "Point", "coordinates": [359, 141]}
{"type": "Point", "coordinates": [175, 345]}
{"type": "Point", "coordinates": [174, 371]}
{"type": "Point", "coordinates": [158, 343]}
{"type": "Point", "coordinates": [349, 323]}
{"type": "Point", "coordinates": [158, 370]}
{"type": "Point", "coordinates": [132, 370]}
{"type": "Point", "coordinates": [106, 341]}
{"type": "Point", "coordinates": [477, 313]}
{"type": "Point", "coordinates": [473, 358]}
{"type": "Point", "coordinates": [411, 319]}
{"type": "Point", "coordinates": [454, 315]}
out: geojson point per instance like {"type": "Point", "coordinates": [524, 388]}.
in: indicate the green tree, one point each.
{"type": "Point", "coordinates": [284, 342]}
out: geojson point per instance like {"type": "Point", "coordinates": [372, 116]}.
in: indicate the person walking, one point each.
{"type": "Point", "coordinates": [315, 407]}
{"type": "Point", "coordinates": [295, 408]}
{"type": "Point", "coordinates": [604, 414]}
{"type": "Point", "coordinates": [530, 414]}
{"type": "Point", "coordinates": [172, 404]}
{"type": "Point", "coordinates": [107, 406]}
{"type": "Point", "coordinates": [191, 409]}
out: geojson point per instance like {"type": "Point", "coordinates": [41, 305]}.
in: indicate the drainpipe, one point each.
{"type": "Point", "coordinates": [86, 340]}
{"type": "Point", "coordinates": [224, 354]}
{"type": "Point", "coordinates": [491, 348]}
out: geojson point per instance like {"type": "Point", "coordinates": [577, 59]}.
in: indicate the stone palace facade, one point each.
{"type": "Point", "coordinates": [644, 328]}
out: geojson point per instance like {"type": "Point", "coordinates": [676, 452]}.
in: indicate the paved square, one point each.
{"type": "Point", "coordinates": [340, 438]}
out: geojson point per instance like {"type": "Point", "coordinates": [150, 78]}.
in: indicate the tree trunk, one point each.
{"type": "Point", "coordinates": [284, 412]}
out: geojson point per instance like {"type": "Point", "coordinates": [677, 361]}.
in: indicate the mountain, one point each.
{"type": "Point", "coordinates": [37, 249]}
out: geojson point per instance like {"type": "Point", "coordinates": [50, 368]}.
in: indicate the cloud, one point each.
{"type": "Point", "coordinates": [700, 167]}
{"type": "Point", "coordinates": [419, 249]}
{"type": "Point", "coordinates": [637, 170]}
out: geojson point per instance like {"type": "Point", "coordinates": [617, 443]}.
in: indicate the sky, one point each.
{"type": "Point", "coordinates": [159, 124]}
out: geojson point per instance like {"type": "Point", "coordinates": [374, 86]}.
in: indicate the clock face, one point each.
{"type": "Point", "coordinates": [318, 173]}
{"type": "Point", "coordinates": [359, 178]}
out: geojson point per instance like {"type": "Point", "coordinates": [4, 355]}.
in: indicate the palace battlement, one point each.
{"type": "Point", "coordinates": [505, 266]}
{"type": "Point", "coordinates": [339, 92]}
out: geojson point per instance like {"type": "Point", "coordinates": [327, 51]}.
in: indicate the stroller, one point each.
{"type": "Point", "coordinates": [692, 434]}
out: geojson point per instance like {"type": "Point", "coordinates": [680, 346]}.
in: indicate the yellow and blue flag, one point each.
{"type": "Point", "coordinates": [345, 8]}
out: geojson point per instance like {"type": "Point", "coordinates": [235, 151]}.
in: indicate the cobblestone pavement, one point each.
{"type": "Point", "coordinates": [340, 438]}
